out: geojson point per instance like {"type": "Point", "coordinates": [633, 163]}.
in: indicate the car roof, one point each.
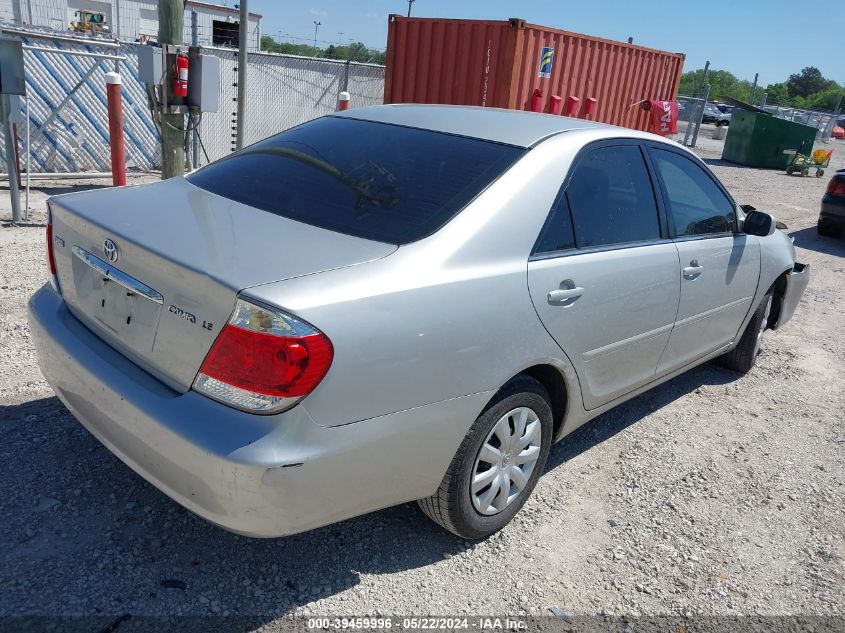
{"type": "Point", "coordinates": [514, 127]}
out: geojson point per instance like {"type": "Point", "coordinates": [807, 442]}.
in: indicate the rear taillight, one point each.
{"type": "Point", "coordinates": [264, 360]}
{"type": "Point", "coordinates": [51, 258]}
{"type": "Point", "coordinates": [836, 186]}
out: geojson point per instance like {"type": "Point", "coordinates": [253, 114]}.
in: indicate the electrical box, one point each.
{"type": "Point", "coordinates": [203, 81]}
{"type": "Point", "coordinates": [11, 67]}
{"type": "Point", "coordinates": [150, 69]}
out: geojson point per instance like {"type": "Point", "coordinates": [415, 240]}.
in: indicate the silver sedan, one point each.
{"type": "Point", "coordinates": [396, 303]}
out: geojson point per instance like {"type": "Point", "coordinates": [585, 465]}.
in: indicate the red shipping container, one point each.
{"type": "Point", "coordinates": [501, 63]}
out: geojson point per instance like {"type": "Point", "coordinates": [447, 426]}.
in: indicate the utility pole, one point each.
{"type": "Point", "coordinates": [704, 76]}
{"type": "Point", "coordinates": [316, 26]}
{"type": "Point", "coordinates": [410, 2]}
{"type": "Point", "coordinates": [195, 139]}
{"type": "Point", "coordinates": [11, 162]}
{"type": "Point", "coordinates": [243, 42]}
{"type": "Point", "coordinates": [170, 25]}
{"type": "Point", "coordinates": [754, 88]}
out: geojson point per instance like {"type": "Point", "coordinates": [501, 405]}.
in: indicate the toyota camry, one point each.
{"type": "Point", "coordinates": [396, 303]}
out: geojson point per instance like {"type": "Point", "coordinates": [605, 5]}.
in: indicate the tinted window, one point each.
{"type": "Point", "coordinates": [380, 182]}
{"type": "Point", "coordinates": [557, 233]}
{"type": "Point", "coordinates": [611, 198]}
{"type": "Point", "coordinates": [697, 204]}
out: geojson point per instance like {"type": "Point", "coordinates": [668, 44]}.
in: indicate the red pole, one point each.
{"type": "Point", "coordinates": [17, 150]}
{"type": "Point", "coordinates": [343, 101]}
{"type": "Point", "coordinates": [118, 153]}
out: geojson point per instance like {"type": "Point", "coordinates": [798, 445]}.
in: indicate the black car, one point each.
{"type": "Point", "coordinates": [832, 216]}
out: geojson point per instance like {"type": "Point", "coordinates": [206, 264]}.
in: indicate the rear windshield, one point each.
{"type": "Point", "coordinates": [372, 180]}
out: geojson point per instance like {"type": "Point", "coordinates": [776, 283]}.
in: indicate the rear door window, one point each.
{"type": "Point", "coordinates": [372, 180]}
{"type": "Point", "coordinates": [611, 199]}
{"type": "Point", "coordinates": [696, 203]}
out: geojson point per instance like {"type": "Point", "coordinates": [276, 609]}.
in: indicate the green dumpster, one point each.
{"type": "Point", "coordinates": [758, 139]}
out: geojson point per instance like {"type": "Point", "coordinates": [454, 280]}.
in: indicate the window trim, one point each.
{"type": "Point", "coordinates": [652, 146]}
{"type": "Point", "coordinates": [589, 250]}
{"type": "Point", "coordinates": [662, 215]}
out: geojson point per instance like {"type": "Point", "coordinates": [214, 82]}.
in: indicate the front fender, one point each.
{"type": "Point", "coordinates": [795, 282]}
{"type": "Point", "coordinates": [778, 269]}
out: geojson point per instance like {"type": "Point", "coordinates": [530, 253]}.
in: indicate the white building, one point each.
{"type": "Point", "coordinates": [134, 20]}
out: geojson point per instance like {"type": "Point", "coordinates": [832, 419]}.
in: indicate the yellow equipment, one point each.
{"type": "Point", "coordinates": [90, 23]}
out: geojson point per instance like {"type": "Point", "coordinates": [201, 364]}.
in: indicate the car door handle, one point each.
{"type": "Point", "coordinates": [565, 294]}
{"type": "Point", "coordinates": [693, 270]}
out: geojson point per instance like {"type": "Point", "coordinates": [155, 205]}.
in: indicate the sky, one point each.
{"type": "Point", "coordinates": [774, 38]}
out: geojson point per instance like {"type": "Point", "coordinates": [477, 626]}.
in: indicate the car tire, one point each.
{"type": "Point", "coordinates": [825, 230]}
{"type": "Point", "coordinates": [455, 506]}
{"type": "Point", "coordinates": [743, 357]}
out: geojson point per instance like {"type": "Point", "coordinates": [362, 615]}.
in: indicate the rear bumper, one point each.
{"type": "Point", "coordinates": [255, 475]}
{"type": "Point", "coordinates": [796, 284]}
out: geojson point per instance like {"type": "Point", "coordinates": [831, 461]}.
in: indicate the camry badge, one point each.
{"type": "Point", "coordinates": [110, 250]}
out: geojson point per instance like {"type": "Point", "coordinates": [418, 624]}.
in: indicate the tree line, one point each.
{"type": "Point", "coordinates": [356, 51]}
{"type": "Point", "coordinates": [808, 89]}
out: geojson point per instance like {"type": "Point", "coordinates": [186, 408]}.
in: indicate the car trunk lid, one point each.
{"type": "Point", "coordinates": [154, 270]}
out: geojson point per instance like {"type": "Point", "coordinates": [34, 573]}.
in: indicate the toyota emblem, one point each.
{"type": "Point", "coordinates": [110, 250]}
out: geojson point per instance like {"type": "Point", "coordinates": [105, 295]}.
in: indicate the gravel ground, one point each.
{"type": "Point", "coordinates": [709, 495]}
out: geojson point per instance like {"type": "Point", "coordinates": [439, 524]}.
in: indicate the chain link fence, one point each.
{"type": "Point", "coordinates": [283, 91]}
{"type": "Point", "coordinates": [66, 105]}
{"type": "Point", "coordinates": [824, 122]}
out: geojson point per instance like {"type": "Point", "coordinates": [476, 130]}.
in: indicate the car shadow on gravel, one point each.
{"type": "Point", "coordinates": [628, 413]}
{"type": "Point", "coordinates": [84, 534]}
{"type": "Point", "coordinates": [810, 239]}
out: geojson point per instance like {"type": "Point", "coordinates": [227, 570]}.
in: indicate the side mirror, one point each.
{"type": "Point", "coordinates": [758, 223]}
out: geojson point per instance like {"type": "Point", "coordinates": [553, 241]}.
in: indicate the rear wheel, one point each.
{"type": "Point", "coordinates": [498, 463]}
{"type": "Point", "coordinates": [744, 355]}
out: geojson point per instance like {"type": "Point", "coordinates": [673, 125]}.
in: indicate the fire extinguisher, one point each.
{"type": "Point", "coordinates": [180, 77]}
{"type": "Point", "coordinates": [537, 100]}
